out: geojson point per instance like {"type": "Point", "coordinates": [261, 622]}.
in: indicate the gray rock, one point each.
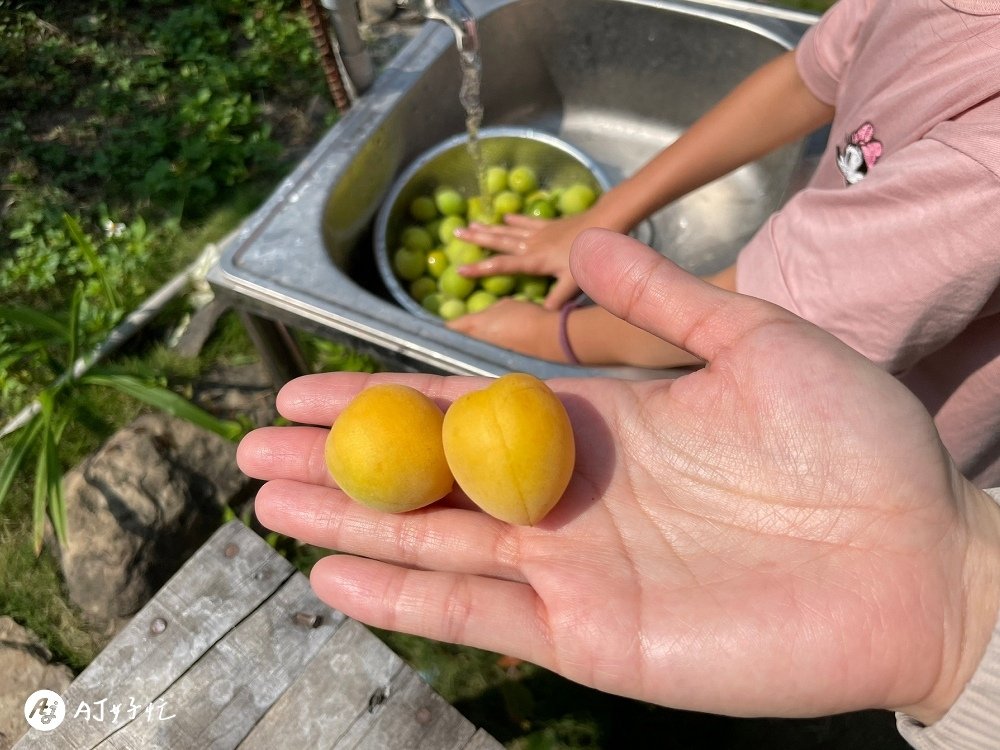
{"type": "Point", "coordinates": [235, 391]}
{"type": "Point", "coordinates": [139, 507]}
{"type": "Point", "coordinates": [26, 666]}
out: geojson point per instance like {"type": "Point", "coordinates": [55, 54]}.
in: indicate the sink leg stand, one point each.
{"type": "Point", "coordinates": [278, 349]}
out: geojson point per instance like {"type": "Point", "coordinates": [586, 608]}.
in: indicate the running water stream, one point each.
{"type": "Point", "coordinates": [469, 96]}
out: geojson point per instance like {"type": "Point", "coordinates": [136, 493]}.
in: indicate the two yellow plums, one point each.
{"type": "Point", "coordinates": [509, 446]}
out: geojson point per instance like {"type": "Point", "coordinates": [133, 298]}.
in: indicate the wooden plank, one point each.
{"type": "Point", "coordinates": [482, 740]}
{"type": "Point", "coordinates": [331, 695]}
{"type": "Point", "coordinates": [217, 702]}
{"type": "Point", "coordinates": [225, 580]}
{"type": "Point", "coordinates": [412, 717]}
{"type": "Point", "coordinates": [218, 659]}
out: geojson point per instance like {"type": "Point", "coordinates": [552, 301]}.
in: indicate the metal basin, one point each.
{"type": "Point", "coordinates": [555, 163]}
{"type": "Point", "coordinates": [618, 79]}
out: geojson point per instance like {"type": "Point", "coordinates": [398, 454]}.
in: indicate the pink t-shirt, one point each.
{"type": "Point", "coordinates": [894, 245]}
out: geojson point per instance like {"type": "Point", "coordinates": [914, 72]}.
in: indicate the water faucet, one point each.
{"type": "Point", "coordinates": [454, 15]}
{"type": "Point", "coordinates": [350, 50]}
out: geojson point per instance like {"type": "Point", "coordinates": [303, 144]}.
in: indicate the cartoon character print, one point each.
{"type": "Point", "coordinates": [860, 154]}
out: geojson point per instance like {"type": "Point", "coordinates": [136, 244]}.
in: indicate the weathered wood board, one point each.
{"type": "Point", "coordinates": [236, 651]}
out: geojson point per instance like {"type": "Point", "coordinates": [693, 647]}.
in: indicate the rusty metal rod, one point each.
{"type": "Point", "coordinates": [327, 56]}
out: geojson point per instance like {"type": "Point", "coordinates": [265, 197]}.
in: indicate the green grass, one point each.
{"type": "Point", "coordinates": [33, 594]}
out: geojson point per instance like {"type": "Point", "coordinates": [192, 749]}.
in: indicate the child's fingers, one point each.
{"type": "Point", "coordinates": [521, 221]}
{"type": "Point", "coordinates": [562, 291]}
{"type": "Point", "coordinates": [478, 611]}
{"type": "Point", "coordinates": [438, 537]}
{"type": "Point", "coordinates": [496, 237]}
{"type": "Point", "coordinates": [639, 285]}
{"type": "Point", "coordinates": [492, 266]}
{"type": "Point", "coordinates": [533, 263]}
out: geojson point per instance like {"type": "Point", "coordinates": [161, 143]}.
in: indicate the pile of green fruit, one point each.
{"type": "Point", "coordinates": [428, 255]}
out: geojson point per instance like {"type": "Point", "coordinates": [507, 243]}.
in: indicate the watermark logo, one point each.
{"type": "Point", "coordinates": [44, 710]}
{"type": "Point", "coordinates": [113, 713]}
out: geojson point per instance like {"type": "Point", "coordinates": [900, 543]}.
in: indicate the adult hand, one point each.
{"type": "Point", "coordinates": [524, 327]}
{"type": "Point", "coordinates": [779, 532]}
{"type": "Point", "coordinates": [530, 246]}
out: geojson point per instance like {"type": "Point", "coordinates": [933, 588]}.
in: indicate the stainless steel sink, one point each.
{"type": "Point", "coordinates": [620, 79]}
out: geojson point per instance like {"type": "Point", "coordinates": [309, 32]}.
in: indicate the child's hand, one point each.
{"type": "Point", "coordinates": [532, 246]}
{"type": "Point", "coordinates": [525, 327]}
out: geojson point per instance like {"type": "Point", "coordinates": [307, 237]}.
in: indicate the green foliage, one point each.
{"type": "Point", "coordinates": [52, 260]}
{"type": "Point", "coordinates": [156, 100]}
{"type": "Point", "coordinates": [33, 592]}
{"type": "Point", "coordinates": [324, 355]}
{"type": "Point", "coordinates": [119, 126]}
{"type": "Point", "coordinates": [58, 402]}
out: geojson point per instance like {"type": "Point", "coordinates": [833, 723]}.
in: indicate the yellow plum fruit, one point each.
{"type": "Point", "coordinates": [510, 448]}
{"type": "Point", "coordinates": [384, 450]}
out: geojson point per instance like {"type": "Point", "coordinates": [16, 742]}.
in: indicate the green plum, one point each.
{"type": "Point", "coordinates": [479, 300]}
{"type": "Point", "coordinates": [417, 238]}
{"type": "Point", "coordinates": [508, 202]}
{"type": "Point", "coordinates": [480, 212]}
{"type": "Point", "coordinates": [446, 232]}
{"type": "Point", "coordinates": [421, 287]}
{"type": "Point", "coordinates": [451, 309]}
{"type": "Point", "coordinates": [576, 199]}
{"type": "Point", "coordinates": [422, 209]}
{"type": "Point", "coordinates": [453, 284]}
{"type": "Point", "coordinates": [542, 210]}
{"type": "Point", "coordinates": [499, 285]}
{"type": "Point", "coordinates": [460, 252]}
{"type": "Point", "coordinates": [437, 261]}
{"type": "Point", "coordinates": [496, 180]}
{"type": "Point", "coordinates": [431, 303]}
{"type": "Point", "coordinates": [535, 287]}
{"type": "Point", "coordinates": [409, 264]}
{"type": "Point", "coordinates": [522, 179]}
{"type": "Point", "coordinates": [449, 201]}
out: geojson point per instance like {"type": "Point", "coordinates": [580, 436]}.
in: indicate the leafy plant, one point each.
{"type": "Point", "coordinates": [41, 435]}
{"type": "Point", "coordinates": [42, 275]}
{"type": "Point", "coordinates": [57, 403]}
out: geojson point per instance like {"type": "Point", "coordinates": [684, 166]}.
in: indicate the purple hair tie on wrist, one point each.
{"type": "Point", "coordinates": [564, 344]}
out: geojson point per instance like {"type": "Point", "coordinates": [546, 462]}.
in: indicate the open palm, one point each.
{"type": "Point", "coordinates": [776, 533]}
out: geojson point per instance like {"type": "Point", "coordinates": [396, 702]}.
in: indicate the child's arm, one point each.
{"type": "Point", "coordinates": [771, 107]}
{"type": "Point", "coordinates": [599, 338]}
{"type": "Point", "coordinates": [596, 336]}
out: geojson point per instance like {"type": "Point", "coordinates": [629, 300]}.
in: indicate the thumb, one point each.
{"type": "Point", "coordinates": [637, 284]}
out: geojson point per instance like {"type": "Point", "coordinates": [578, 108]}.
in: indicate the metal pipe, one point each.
{"type": "Point", "coordinates": [454, 15]}
{"type": "Point", "coordinates": [350, 49]}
